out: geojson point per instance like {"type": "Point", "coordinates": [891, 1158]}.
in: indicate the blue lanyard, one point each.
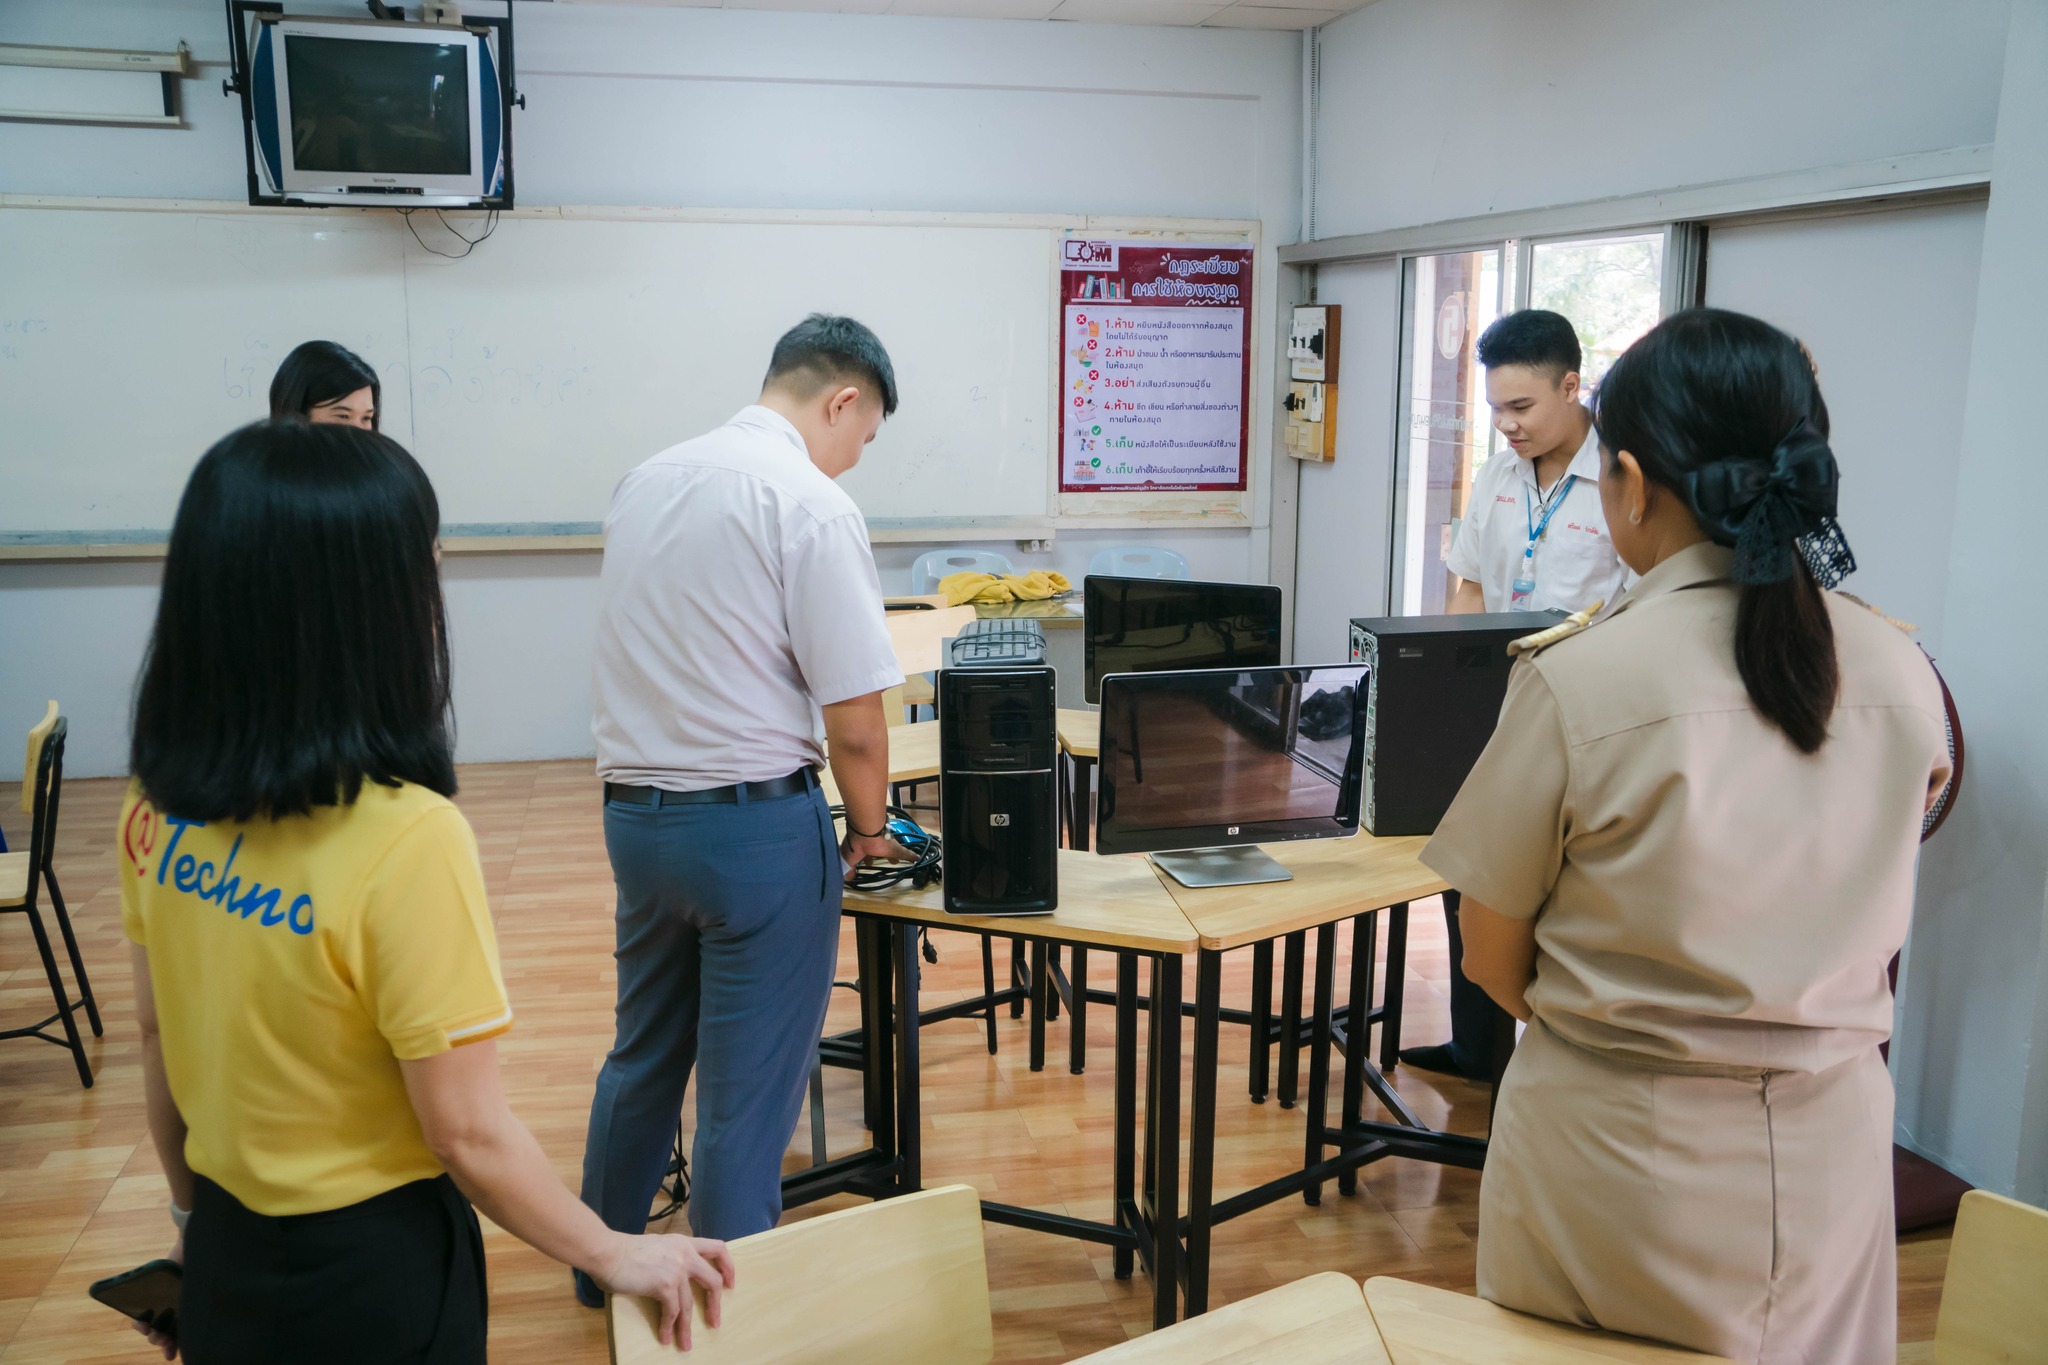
{"type": "Point", "coordinates": [1536, 528]}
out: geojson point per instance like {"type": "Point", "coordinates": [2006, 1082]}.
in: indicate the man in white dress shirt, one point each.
{"type": "Point", "coordinates": [738, 601]}
{"type": "Point", "coordinates": [1534, 538]}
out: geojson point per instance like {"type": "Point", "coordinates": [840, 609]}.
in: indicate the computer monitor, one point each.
{"type": "Point", "coordinates": [1143, 625]}
{"type": "Point", "coordinates": [1199, 766]}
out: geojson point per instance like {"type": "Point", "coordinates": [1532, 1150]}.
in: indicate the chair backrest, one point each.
{"type": "Point", "coordinates": [933, 565]}
{"type": "Point", "coordinates": [897, 1280]}
{"type": "Point", "coordinates": [1320, 1320]}
{"type": "Point", "coordinates": [1138, 561]}
{"type": "Point", "coordinates": [29, 763]}
{"type": "Point", "coordinates": [1992, 1304]}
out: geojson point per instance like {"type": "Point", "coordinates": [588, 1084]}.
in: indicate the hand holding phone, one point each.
{"type": "Point", "coordinates": [149, 1295]}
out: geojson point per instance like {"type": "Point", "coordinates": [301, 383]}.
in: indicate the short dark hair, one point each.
{"type": "Point", "coordinates": [824, 349]}
{"type": "Point", "coordinates": [300, 646]}
{"type": "Point", "coordinates": [1708, 386]}
{"type": "Point", "coordinates": [1535, 337]}
{"type": "Point", "coordinates": [319, 372]}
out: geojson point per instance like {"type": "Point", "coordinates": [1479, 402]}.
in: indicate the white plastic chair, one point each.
{"type": "Point", "coordinates": [1138, 561]}
{"type": "Point", "coordinates": [933, 565]}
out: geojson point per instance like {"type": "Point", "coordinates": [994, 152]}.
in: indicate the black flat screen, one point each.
{"type": "Point", "coordinates": [378, 108]}
{"type": "Point", "coordinates": [1229, 757]}
{"type": "Point", "coordinates": [1143, 625]}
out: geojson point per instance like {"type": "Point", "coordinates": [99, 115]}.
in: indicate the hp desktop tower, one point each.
{"type": "Point", "coordinates": [1436, 688]}
{"type": "Point", "coordinates": [998, 792]}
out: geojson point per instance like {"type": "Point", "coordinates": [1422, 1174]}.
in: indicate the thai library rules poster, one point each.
{"type": "Point", "coordinates": [1155, 366]}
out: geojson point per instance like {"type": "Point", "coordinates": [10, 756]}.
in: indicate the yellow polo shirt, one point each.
{"type": "Point", "coordinates": [295, 962]}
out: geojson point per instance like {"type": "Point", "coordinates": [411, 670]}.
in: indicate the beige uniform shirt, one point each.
{"type": "Point", "coordinates": [1702, 891]}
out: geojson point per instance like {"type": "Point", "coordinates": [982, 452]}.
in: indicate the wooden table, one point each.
{"type": "Point", "coordinates": [913, 757]}
{"type": "Point", "coordinates": [1118, 904]}
{"type": "Point", "coordinates": [1334, 880]}
{"type": "Point", "coordinates": [1080, 740]}
{"type": "Point", "coordinates": [1048, 612]}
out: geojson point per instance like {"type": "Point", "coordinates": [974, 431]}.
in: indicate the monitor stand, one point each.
{"type": "Point", "coordinates": [1245, 865]}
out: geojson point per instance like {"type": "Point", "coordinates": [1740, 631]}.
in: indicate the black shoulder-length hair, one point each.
{"type": "Point", "coordinates": [319, 372]}
{"type": "Point", "coordinates": [300, 646]}
{"type": "Point", "coordinates": [1708, 386]}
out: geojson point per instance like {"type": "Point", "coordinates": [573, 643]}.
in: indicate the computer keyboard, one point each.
{"type": "Point", "coordinates": [997, 644]}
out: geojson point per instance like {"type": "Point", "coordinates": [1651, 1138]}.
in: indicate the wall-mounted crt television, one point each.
{"type": "Point", "coordinates": [346, 111]}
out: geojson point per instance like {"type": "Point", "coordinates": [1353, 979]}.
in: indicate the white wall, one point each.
{"type": "Point", "coordinates": [1346, 505]}
{"type": "Point", "coordinates": [1925, 324]}
{"type": "Point", "coordinates": [1972, 1060]}
{"type": "Point", "coordinates": [1886, 302]}
{"type": "Point", "coordinates": [693, 107]}
{"type": "Point", "coordinates": [1435, 109]}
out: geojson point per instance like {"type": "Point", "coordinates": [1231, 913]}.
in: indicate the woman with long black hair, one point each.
{"type": "Point", "coordinates": [316, 974]}
{"type": "Point", "coordinates": [325, 382]}
{"type": "Point", "coordinates": [1687, 856]}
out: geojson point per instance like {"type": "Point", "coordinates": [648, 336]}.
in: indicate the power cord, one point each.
{"type": "Point", "coordinates": [920, 872]}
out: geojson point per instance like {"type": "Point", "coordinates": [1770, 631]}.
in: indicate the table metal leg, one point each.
{"type": "Point", "coordinates": [1319, 1057]}
{"type": "Point", "coordinates": [988, 987]}
{"type": "Point", "coordinates": [1396, 989]}
{"type": "Point", "coordinates": [864, 972]}
{"type": "Point", "coordinates": [1041, 988]}
{"type": "Point", "coordinates": [1052, 967]}
{"type": "Point", "coordinates": [1126, 1069]}
{"type": "Point", "coordinates": [1202, 1127]}
{"type": "Point", "coordinates": [1261, 1069]}
{"type": "Point", "coordinates": [1162, 1120]}
{"type": "Point", "coordinates": [1077, 1012]}
{"type": "Point", "coordinates": [876, 984]}
{"type": "Point", "coordinates": [1019, 976]}
{"type": "Point", "coordinates": [1364, 943]}
{"type": "Point", "coordinates": [909, 1121]}
{"type": "Point", "coordinates": [1083, 796]}
{"type": "Point", "coordinates": [1290, 1017]}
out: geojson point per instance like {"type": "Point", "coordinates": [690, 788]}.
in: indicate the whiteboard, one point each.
{"type": "Point", "coordinates": [527, 376]}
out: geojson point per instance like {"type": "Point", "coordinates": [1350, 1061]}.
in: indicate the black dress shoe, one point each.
{"type": "Point", "coordinates": [1440, 1058]}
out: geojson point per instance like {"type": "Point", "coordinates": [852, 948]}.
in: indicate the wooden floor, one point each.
{"type": "Point", "coordinates": [81, 1196]}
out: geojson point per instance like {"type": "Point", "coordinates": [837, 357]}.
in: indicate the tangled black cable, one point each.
{"type": "Point", "coordinates": [469, 243]}
{"type": "Point", "coordinates": [921, 871]}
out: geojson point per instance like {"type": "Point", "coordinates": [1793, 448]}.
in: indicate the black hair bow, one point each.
{"type": "Point", "coordinates": [1766, 510]}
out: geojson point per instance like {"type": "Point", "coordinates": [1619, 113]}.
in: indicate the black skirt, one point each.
{"type": "Point", "coordinates": [398, 1278]}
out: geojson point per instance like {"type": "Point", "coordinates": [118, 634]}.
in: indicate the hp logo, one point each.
{"type": "Point", "coordinates": [999, 821]}
{"type": "Point", "coordinates": [1232, 829]}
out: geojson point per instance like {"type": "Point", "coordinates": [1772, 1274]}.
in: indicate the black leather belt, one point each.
{"type": "Point", "coordinates": [800, 780]}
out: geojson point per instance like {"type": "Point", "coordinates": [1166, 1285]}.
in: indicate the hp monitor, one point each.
{"type": "Point", "coordinates": [1143, 625]}
{"type": "Point", "coordinates": [1198, 767]}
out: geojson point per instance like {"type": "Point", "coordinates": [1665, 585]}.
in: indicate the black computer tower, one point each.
{"type": "Point", "coordinates": [1437, 684]}
{"type": "Point", "coordinates": [998, 792]}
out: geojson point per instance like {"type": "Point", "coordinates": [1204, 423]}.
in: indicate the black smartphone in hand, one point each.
{"type": "Point", "coordinates": [148, 1294]}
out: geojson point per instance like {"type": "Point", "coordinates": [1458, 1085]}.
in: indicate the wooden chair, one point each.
{"type": "Point", "coordinates": [1993, 1307]}
{"type": "Point", "coordinates": [1320, 1320]}
{"type": "Point", "coordinates": [1422, 1325]}
{"type": "Point", "coordinates": [24, 874]}
{"type": "Point", "coordinates": [899, 1280]}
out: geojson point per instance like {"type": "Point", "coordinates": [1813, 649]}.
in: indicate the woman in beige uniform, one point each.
{"type": "Point", "coordinates": [1686, 857]}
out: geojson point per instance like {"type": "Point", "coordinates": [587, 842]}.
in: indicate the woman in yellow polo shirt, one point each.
{"type": "Point", "coordinates": [315, 970]}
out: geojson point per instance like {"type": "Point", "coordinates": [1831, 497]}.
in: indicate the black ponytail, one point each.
{"type": "Point", "coordinates": [1724, 410]}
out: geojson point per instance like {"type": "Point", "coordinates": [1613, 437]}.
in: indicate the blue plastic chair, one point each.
{"type": "Point", "coordinates": [1138, 561]}
{"type": "Point", "coordinates": [933, 565]}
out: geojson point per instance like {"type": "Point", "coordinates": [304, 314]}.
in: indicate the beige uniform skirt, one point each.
{"type": "Point", "coordinates": [1743, 1213]}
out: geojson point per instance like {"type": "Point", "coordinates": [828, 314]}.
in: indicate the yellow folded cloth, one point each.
{"type": "Point", "coordinates": [962, 588]}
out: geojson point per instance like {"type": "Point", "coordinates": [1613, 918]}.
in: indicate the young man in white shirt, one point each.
{"type": "Point", "coordinates": [1534, 538]}
{"type": "Point", "coordinates": [738, 602]}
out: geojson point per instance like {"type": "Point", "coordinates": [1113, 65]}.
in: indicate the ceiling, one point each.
{"type": "Point", "coordinates": [1268, 14]}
